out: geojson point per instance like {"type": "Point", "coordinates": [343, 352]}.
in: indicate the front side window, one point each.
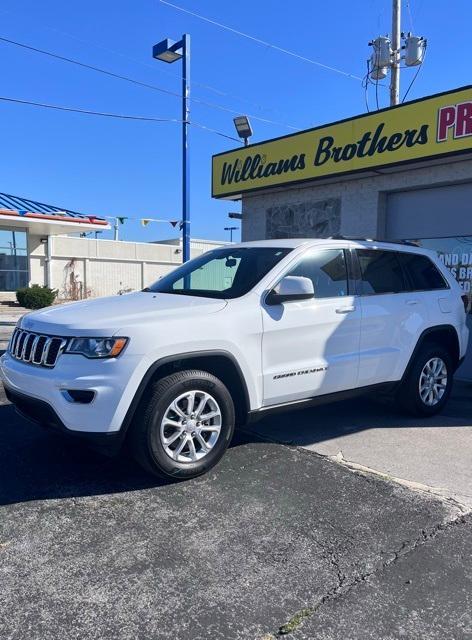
{"type": "Point", "coordinates": [223, 273]}
{"type": "Point", "coordinates": [422, 273]}
{"type": "Point", "coordinates": [327, 269]}
{"type": "Point", "coordinates": [381, 272]}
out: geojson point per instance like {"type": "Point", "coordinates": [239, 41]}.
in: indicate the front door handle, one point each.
{"type": "Point", "coordinates": [345, 309]}
{"type": "Point", "coordinates": [411, 302]}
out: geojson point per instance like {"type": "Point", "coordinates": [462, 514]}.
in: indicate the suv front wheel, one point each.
{"type": "Point", "coordinates": [184, 425]}
{"type": "Point", "coordinates": [427, 385]}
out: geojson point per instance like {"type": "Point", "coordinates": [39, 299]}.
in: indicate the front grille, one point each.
{"type": "Point", "coordinates": [35, 348]}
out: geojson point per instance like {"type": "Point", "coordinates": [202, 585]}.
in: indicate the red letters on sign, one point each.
{"type": "Point", "coordinates": [446, 119]}
{"type": "Point", "coordinates": [459, 117]}
{"type": "Point", "coordinates": [463, 120]}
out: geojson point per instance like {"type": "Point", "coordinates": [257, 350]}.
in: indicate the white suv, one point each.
{"type": "Point", "coordinates": [234, 334]}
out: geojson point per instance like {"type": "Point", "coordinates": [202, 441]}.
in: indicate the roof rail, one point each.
{"type": "Point", "coordinates": [339, 236]}
{"type": "Point", "coordinates": [410, 243]}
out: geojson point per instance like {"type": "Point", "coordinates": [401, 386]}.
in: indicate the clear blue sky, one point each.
{"type": "Point", "coordinates": [117, 167]}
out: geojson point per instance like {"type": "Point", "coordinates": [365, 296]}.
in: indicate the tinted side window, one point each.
{"type": "Point", "coordinates": [327, 270]}
{"type": "Point", "coordinates": [422, 273]}
{"type": "Point", "coordinates": [381, 272]}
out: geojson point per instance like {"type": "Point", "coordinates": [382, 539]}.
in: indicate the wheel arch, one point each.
{"type": "Point", "coordinates": [220, 363]}
{"type": "Point", "coordinates": [445, 335]}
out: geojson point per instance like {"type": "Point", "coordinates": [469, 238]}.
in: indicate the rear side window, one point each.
{"type": "Point", "coordinates": [421, 272]}
{"type": "Point", "coordinates": [381, 272]}
{"type": "Point", "coordinates": [326, 268]}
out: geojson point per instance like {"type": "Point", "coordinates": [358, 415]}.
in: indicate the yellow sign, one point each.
{"type": "Point", "coordinates": [436, 126]}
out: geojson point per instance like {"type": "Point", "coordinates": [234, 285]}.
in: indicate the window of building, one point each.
{"type": "Point", "coordinates": [327, 270]}
{"type": "Point", "coordinates": [421, 272]}
{"type": "Point", "coordinates": [381, 272]}
{"type": "Point", "coordinates": [13, 260]}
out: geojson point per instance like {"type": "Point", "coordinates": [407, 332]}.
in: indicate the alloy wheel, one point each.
{"type": "Point", "coordinates": [191, 426]}
{"type": "Point", "coordinates": [433, 381]}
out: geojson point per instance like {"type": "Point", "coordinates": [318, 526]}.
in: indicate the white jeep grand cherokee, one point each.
{"type": "Point", "coordinates": [234, 334]}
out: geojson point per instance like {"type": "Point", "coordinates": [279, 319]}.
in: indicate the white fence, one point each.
{"type": "Point", "coordinates": [82, 267]}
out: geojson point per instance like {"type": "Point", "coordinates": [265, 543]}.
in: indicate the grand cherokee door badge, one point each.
{"type": "Point", "coordinates": [302, 372]}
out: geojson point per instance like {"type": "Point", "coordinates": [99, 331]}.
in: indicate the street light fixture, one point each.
{"type": "Point", "coordinates": [243, 127]}
{"type": "Point", "coordinates": [231, 229]}
{"type": "Point", "coordinates": [169, 51]}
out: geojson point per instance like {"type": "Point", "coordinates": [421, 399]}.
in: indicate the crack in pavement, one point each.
{"type": "Point", "coordinates": [342, 588]}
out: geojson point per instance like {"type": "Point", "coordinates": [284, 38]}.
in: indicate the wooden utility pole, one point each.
{"type": "Point", "coordinates": [396, 44]}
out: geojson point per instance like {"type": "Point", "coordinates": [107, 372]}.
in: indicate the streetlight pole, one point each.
{"type": "Point", "coordinates": [185, 147]}
{"type": "Point", "coordinates": [170, 51]}
{"type": "Point", "coordinates": [231, 229]}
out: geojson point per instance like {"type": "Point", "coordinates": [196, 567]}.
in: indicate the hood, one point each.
{"type": "Point", "coordinates": [105, 316]}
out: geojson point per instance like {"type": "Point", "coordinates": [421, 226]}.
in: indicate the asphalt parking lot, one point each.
{"type": "Point", "coordinates": [371, 434]}
{"type": "Point", "coordinates": [277, 541]}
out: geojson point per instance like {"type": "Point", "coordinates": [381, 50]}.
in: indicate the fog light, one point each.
{"type": "Point", "coordinates": [81, 396]}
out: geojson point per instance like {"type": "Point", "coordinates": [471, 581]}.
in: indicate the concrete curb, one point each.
{"type": "Point", "coordinates": [453, 502]}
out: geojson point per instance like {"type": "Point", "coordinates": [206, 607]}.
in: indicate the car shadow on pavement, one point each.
{"type": "Point", "coordinates": [325, 422]}
{"type": "Point", "coordinates": [36, 464]}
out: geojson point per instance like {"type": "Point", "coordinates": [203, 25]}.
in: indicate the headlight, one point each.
{"type": "Point", "coordinates": [97, 347]}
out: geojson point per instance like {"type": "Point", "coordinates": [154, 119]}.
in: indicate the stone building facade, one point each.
{"type": "Point", "coordinates": [364, 206]}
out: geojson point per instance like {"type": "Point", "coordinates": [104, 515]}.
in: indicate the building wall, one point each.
{"type": "Point", "coordinates": [37, 259]}
{"type": "Point", "coordinates": [83, 267]}
{"type": "Point", "coordinates": [198, 244]}
{"type": "Point", "coordinates": [352, 207]}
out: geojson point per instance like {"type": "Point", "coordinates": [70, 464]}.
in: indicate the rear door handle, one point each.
{"type": "Point", "coordinates": [412, 302]}
{"type": "Point", "coordinates": [345, 309]}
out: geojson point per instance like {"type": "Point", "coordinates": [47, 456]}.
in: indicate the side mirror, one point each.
{"type": "Point", "coordinates": [291, 288]}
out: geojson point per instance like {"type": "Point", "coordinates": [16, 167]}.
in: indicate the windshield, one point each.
{"type": "Point", "coordinates": [221, 273]}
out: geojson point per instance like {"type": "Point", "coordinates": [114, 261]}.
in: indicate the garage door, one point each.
{"type": "Point", "coordinates": [439, 219]}
{"type": "Point", "coordinates": [433, 213]}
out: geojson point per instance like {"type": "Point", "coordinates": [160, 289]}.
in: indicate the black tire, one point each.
{"type": "Point", "coordinates": [409, 395]}
{"type": "Point", "coordinates": [145, 437]}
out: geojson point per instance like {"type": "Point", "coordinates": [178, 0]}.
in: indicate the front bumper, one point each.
{"type": "Point", "coordinates": [112, 381]}
{"type": "Point", "coordinates": [42, 413]}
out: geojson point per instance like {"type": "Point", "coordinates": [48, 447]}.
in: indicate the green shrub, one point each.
{"type": "Point", "coordinates": [21, 295]}
{"type": "Point", "coordinates": [36, 297]}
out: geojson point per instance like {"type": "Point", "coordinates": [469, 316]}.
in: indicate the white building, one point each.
{"type": "Point", "coordinates": [36, 248]}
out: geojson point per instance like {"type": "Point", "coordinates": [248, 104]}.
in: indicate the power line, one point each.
{"type": "Point", "coordinates": [205, 128]}
{"type": "Point", "coordinates": [87, 111]}
{"type": "Point", "coordinates": [88, 66]}
{"type": "Point", "coordinates": [195, 83]}
{"type": "Point", "coordinates": [365, 84]}
{"type": "Point", "coordinates": [118, 76]}
{"type": "Point", "coordinates": [259, 41]}
{"type": "Point", "coordinates": [414, 77]}
{"type": "Point", "coordinates": [112, 115]}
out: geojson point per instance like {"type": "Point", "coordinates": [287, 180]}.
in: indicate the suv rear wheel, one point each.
{"type": "Point", "coordinates": [427, 386]}
{"type": "Point", "coordinates": [184, 425]}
